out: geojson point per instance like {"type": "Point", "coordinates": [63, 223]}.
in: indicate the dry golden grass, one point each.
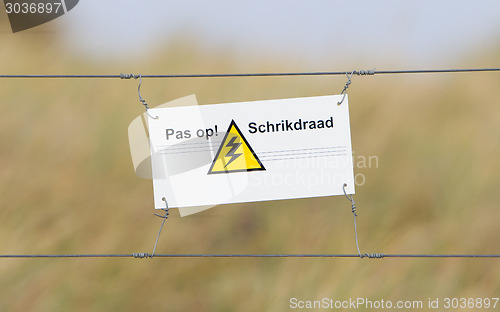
{"type": "Point", "coordinates": [67, 186]}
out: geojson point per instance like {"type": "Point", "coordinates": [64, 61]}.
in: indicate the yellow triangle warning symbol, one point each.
{"type": "Point", "coordinates": [235, 154]}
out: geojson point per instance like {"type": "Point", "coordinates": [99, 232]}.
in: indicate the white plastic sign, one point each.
{"type": "Point", "coordinates": [250, 151]}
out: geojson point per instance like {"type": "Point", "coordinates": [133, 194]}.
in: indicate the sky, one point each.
{"type": "Point", "coordinates": [416, 32]}
{"type": "Point", "coordinates": [420, 33]}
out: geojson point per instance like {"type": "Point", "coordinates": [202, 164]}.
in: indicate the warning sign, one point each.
{"type": "Point", "coordinates": [235, 154]}
{"type": "Point", "coordinates": [250, 151]}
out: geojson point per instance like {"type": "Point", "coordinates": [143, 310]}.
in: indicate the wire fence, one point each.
{"type": "Point", "coordinates": [276, 74]}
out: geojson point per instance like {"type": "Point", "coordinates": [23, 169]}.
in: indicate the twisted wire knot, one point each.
{"type": "Point", "coordinates": [128, 76]}
{"type": "Point", "coordinates": [373, 256]}
{"type": "Point", "coordinates": [365, 72]}
{"type": "Point", "coordinates": [142, 255]}
{"type": "Point", "coordinates": [167, 213]}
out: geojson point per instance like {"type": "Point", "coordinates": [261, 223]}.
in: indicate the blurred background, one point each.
{"type": "Point", "coordinates": [67, 182]}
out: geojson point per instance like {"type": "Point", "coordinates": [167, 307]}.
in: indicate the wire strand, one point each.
{"type": "Point", "coordinates": [246, 256]}
{"type": "Point", "coordinates": [276, 74]}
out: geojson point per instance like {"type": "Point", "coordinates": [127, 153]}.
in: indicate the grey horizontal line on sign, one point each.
{"type": "Point", "coordinates": [304, 149]}
{"type": "Point", "coordinates": [187, 144]}
{"type": "Point", "coordinates": [185, 152]}
{"type": "Point", "coordinates": [305, 153]}
{"type": "Point", "coordinates": [314, 156]}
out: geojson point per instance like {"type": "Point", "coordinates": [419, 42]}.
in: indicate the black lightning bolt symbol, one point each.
{"type": "Point", "coordinates": [231, 153]}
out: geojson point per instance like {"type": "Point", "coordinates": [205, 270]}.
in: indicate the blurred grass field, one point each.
{"type": "Point", "coordinates": [68, 186]}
